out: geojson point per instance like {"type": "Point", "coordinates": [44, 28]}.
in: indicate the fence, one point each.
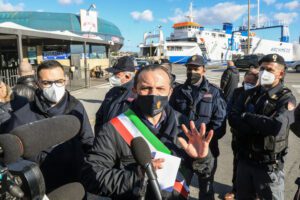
{"type": "Point", "coordinates": [9, 75]}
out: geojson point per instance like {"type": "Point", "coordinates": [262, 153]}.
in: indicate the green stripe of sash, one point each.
{"type": "Point", "coordinates": [156, 143]}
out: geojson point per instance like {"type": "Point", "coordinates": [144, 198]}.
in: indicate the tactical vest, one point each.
{"type": "Point", "coordinates": [269, 149]}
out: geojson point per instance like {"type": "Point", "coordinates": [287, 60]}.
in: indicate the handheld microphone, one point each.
{"type": "Point", "coordinates": [11, 148]}
{"type": "Point", "coordinates": [43, 134]}
{"type": "Point", "coordinates": [142, 154]}
{"type": "Point", "coordinates": [71, 191]}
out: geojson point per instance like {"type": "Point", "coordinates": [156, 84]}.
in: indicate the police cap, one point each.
{"type": "Point", "coordinates": [124, 64]}
{"type": "Point", "coordinates": [276, 58]}
{"type": "Point", "coordinates": [196, 60]}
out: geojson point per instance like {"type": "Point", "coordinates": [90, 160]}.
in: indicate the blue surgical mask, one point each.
{"type": "Point", "coordinates": [248, 86]}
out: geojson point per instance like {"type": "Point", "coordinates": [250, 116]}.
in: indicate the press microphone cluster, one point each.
{"type": "Point", "coordinates": [29, 140]}
{"type": "Point", "coordinates": [26, 142]}
{"type": "Point", "coordinates": [142, 155]}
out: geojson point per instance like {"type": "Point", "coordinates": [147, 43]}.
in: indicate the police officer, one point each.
{"type": "Point", "coordinates": [263, 116]}
{"type": "Point", "coordinates": [202, 102]}
{"type": "Point", "coordinates": [250, 81]}
{"type": "Point", "coordinates": [118, 98]}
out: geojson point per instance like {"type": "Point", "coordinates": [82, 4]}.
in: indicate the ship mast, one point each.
{"type": "Point", "coordinates": [190, 16]}
{"type": "Point", "coordinates": [257, 25]}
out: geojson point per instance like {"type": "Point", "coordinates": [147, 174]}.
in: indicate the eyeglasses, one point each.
{"type": "Point", "coordinates": [58, 83]}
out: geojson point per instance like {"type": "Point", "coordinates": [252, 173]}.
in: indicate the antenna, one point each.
{"type": "Point", "coordinates": [190, 16]}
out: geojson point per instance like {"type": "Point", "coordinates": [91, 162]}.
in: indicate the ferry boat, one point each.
{"type": "Point", "coordinates": [190, 38]}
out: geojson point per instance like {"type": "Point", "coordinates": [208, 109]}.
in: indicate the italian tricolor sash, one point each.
{"type": "Point", "coordinates": [130, 126]}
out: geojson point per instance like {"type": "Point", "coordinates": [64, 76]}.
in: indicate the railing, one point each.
{"type": "Point", "coordinates": [9, 75]}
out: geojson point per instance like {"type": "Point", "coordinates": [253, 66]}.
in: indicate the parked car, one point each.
{"type": "Point", "coordinates": [141, 63]}
{"type": "Point", "coordinates": [248, 61]}
{"type": "Point", "coordinates": [294, 65]}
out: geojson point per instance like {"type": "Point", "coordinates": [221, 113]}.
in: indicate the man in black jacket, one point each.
{"type": "Point", "coordinates": [118, 98]}
{"type": "Point", "coordinates": [60, 164]}
{"type": "Point", "coordinates": [230, 80]}
{"type": "Point", "coordinates": [202, 102]}
{"type": "Point", "coordinates": [110, 169]}
{"type": "Point", "coordinates": [250, 82]}
{"type": "Point", "coordinates": [262, 116]}
{"type": "Point", "coordinates": [26, 83]}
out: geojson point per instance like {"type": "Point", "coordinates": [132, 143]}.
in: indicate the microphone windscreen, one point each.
{"type": "Point", "coordinates": [71, 191]}
{"type": "Point", "coordinates": [140, 151]}
{"type": "Point", "coordinates": [11, 147]}
{"type": "Point", "coordinates": [40, 135]}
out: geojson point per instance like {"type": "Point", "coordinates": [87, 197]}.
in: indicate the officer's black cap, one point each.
{"type": "Point", "coordinates": [124, 64]}
{"type": "Point", "coordinates": [196, 60]}
{"type": "Point", "coordinates": [276, 58]}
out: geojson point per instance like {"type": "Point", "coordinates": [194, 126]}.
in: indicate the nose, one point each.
{"type": "Point", "coordinates": [153, 91]}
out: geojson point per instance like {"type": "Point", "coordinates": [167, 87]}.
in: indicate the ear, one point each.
{"type": "Point", "coordinates": [67, 80]}
{"type": "Point", "coordinates": [171, 91]}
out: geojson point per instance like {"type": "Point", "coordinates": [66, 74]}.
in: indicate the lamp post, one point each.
{"type": "Point", "coordinates": [86, 68]}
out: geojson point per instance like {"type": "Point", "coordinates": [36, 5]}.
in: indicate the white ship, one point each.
{"type": "Point", "coordinates": [190, 38]}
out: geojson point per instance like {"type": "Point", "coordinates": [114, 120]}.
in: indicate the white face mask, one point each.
{"type": "Point", "coordinates": [54, 93]}
{"type": "Point", "coordinates": [266, 78]}
{"type": "Point", "coordinates": [115, 81]}
{"type": "Point", "coordinates": [248, 86]}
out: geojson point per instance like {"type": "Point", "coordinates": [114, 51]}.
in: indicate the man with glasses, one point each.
{"type": "Point", "coordinates": [263, 116]}
{"type": "Point", "coordinates": [60, 164]}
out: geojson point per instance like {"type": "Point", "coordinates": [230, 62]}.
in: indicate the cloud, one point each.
{"type": "Point", "coordinates": [164, 20]}
{"type": "Point", "coordinates": [221, 12]}
{"type": "Point", "coordinates": [269, 2]}
{"type": "Point", "coordinates": [67, 2]}
{"type": "Point", "coordinates": [264, 20]}
{"type": "Point", "coordinates": [9, 7]}
{"type": "Point", "coordinates": [287, 18]}
{"type": "Point", "coordinates": [146, 15]}
{"type": "Point", "coordinates": [292, 5]}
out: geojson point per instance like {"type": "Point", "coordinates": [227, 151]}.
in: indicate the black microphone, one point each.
{"type": "Point", "coordinates": [11, 148]}
{"type": "Point", "coordinates": [43, 134]}
{"type": "Point", "coordinates": [142, 154]}
{"type": "Point", "coordinates": [71, 191]}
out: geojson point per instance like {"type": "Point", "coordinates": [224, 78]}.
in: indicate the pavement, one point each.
{"type": "Point", "coordinates": [93, 96]}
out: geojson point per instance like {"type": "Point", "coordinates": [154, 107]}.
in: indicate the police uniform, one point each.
{"type": "Point", "coordinates": [262, 117]}
{"type": "Point", "coordinates": [203, 104]}
{"type": "Point", "coordinates": [118, 98]}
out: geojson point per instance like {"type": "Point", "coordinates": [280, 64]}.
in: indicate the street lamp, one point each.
{"type": "Point", "coordinates": [91, 6]}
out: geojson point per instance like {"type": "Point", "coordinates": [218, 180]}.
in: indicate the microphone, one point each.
{"type": "Point", "coordinates": [141, 153]}
{"type": "Point", "coordinates": [71, 191]}
{"type": "Point", "coordinates": [11, 148]}
{"type": "Point", "coordinates": [40, 135]}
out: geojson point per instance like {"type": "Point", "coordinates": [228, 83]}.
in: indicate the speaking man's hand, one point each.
{"type": "Point", "coordinates": [198, 143]}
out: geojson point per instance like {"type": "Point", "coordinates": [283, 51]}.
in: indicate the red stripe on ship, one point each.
{"type": "Point", "coordinates": [122, 130]}
{"type": "Point", "coordinates": [178, 186]}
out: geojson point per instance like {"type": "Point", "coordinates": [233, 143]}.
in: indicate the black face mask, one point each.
{"type": "Point", "coordinates": [193, 78]}
{"type": "Point", "coordinates": [151, 105]}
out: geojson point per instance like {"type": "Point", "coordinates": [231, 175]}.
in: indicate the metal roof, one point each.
{"type": "Point", "coordinates": [59, 22]}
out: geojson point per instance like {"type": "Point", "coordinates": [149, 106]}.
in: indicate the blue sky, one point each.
{"type": "Point", "coordinates": [134, 17]}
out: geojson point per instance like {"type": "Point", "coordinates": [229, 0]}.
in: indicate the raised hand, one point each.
{"type": "Point", "coordinates": [198, 144]}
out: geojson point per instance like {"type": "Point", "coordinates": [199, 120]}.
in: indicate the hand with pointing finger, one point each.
{"type": "Point", "coordinates": [198, 142]}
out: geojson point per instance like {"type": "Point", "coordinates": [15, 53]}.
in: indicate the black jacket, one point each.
{"type": "Point", "coordinates": [6, 110]}
{"type": "Point", "coordinates": [110, 169]}
{"type": "Point", "coordinates": [203, 104]}
{"type": "Point", "coordinates": [116, 101]}
{"type": "Point", "coordinates": [252, 117]}
{"type": "Point", "coordinates": [295, 127]}
{"type": "Point", "coordinates": [26, 86]}
{"type": "Point", "coordinates": [62, 163]}
{"type": "Point", "coordinates": [229, 81]}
